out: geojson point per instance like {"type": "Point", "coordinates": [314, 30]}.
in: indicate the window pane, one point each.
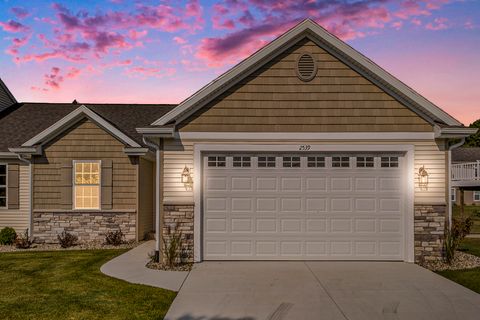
{"type": "Point", "coordinates": [3, 192]}
{"type": "Point", "coordinates": [3, 202]}
{"type": "Point", "coordinates": [3, 180]}
{"type": "Point", "coordinates": [87, 197]}
{"type": "Point", "coordinates": [3, 169]}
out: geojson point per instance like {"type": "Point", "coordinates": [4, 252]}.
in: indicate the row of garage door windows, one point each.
{"type": "Point", "coordinates": [295, 161]}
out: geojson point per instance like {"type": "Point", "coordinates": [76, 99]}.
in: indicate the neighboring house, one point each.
{"type": "Point", "coordinates": [305, 150]}
{"type": "Point", "coordinates": [466, 174]}
{"type": "Point", "coordinates": [6, 97]}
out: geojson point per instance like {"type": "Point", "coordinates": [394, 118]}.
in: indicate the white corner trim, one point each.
{"type": "Point", "coordinates": [281, 42]}
{"type": "Point", "coordinates": [305, 136]}
{"type": "Point", "coordinates": [199, 149]}
{"type": "Point", "coordinates": [72, 118]}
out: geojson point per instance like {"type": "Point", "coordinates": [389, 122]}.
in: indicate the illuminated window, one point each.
{"type": "Point", "coordinates": [86, 184]}
{"type": "Point", "coordinates": [3, 185]}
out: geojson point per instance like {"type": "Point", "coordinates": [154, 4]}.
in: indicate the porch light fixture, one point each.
{"type": "Point", "coordinates": [187, 179]}
{"type": "Point", "coordinates": [423, 178]}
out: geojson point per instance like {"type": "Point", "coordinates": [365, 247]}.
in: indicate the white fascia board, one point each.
{"type": "Point", "coordinates": [27, 150]}
{"type": "Point", "coordinates": [135, 151]}
{"type": "Point", "coordinates": [330, 40]}
{"type": "Point", "coordinates": [72, 118]}
{"type": "Point", "coordinates": [8, 155]}
{"type": "Point", "coordinates": [454, 132]}
{"type": "Point", "coordinates": [305, 136]}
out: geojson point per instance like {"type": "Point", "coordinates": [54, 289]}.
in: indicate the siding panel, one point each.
{"type": "Point", "coordinates": [19, 218]}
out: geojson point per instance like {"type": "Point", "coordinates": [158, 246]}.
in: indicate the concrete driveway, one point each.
{"type": "Point", "coordinates": [320, 290]}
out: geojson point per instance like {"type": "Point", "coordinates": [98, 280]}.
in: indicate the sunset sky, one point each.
{"type": "Point", "coordinates": [163, 51]}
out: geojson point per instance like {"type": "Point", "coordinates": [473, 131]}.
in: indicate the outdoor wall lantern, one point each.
{"type": "Point", "coordinates": [187, 179]}
{"type": "Point", "coordinates": [423, 178]}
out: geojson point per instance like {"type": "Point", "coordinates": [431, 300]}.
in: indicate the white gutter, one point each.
{"type": "Point", "coordinates": [157, 196]}
{"type": "Point", "coordinates": [449, 132]}
{"type": "Point", "coordinates": [450, 204]}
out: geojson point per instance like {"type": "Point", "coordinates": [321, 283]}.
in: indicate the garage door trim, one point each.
{"type": "Point", "coordinates": [200, 149]}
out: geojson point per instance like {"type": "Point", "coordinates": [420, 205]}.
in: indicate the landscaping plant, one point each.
{"type": "Point", "coordinates": [67, 239]}
{"type": "Point", "coordinates": [172, 247]}
{"type": "Point", "coordinates": [7, 236]}
{"type": "Point", "coordinates": [23, 241]}
{"type": "Point", "coordinates": [114, 238]}
{"type": "Point", "coordinates": [454, 235]}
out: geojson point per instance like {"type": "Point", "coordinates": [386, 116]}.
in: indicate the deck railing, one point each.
{"type": "Point", "coordinates": [466, 171]}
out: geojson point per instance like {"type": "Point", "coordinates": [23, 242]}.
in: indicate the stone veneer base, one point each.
{"type": "Point", "coordinates": [87, 226]}
{"type": "Point", "coordinates": [429, 232]}
{"type": "Point", "coordinates": [179, 218]}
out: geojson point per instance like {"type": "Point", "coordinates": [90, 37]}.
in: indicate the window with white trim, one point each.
{"type": "Point", "coordinates": [3, 185]}
{"type": "Point", "coordinates": [454, 194]}
{"type": "Point", "coordinates": [340, 162]}
{"type": "Point", "coordinates": [389, 162]}
{"type": "Point", "coordinates": [365, 162]}
{"type": "Point", "coordinates": [86, 184]}
{"type": "Point", "coordinates": [316, 162]}
{"type": "Point", "coordinates": [476, 196]}
{"type": "Point", "coordinates": [266, 162]}
{"type": "Point", "coordinates": [241, 162]}
{"type": "Point", "coordinates": [291, 162]}
{"type": "Point", "coordinates": [217, 161]}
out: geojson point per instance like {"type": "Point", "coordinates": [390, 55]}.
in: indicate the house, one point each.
{"type": "Point", "coordinates": [304, 150]}
{"type": "Point", "coordinates": [466, 175]}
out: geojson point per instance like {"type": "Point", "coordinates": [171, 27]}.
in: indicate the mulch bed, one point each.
{"type": "Point", "coordinates": [164, 267]}
{"type": "Point", "coordinates": [462, 261]}
{"type": "Point", "coordinates": [80, 246]}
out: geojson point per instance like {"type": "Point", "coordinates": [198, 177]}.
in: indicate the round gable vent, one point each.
{"type": "Point", "coordinates": [306, 67]}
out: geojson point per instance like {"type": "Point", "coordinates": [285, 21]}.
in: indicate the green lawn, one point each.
{"type": "Point", "coordinates": [69, 285]}
{"type": "Point", "coordinates": [468, 278]}
{"type": "Point", "coordinates": [472, 211]}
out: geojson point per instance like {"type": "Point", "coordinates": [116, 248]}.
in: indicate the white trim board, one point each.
{"type": "Point", "coordinates": [199, 149]}
{"type": "Point", "coordinates": [309, 28]}
{"type": "Point", "coordinates": [72, 118]}
{"type": "Point", "coordinates": [305, 135]}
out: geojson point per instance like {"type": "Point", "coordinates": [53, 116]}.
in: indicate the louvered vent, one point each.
{"type": "Point", "coordinates": [306, 67]}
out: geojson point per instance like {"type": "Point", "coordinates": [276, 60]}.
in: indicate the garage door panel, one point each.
{"type": "Point", "coordinates": [303, 213]}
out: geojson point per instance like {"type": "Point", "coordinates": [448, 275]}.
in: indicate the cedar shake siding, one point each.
{"type": "Point", "coordinates": [274, 99]}
{"type": "Point", "coordinates": [52, 187]}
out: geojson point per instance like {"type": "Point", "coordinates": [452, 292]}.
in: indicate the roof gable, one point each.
{"type": "Point", "coordinates": [72, 118]}
{"type": "Point", "coordinates": [404, 94]}
{"type": "Point", "coordinates": [6, 97]}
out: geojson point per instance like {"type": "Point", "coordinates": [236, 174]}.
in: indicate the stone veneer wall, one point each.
{"type": "Point", "coordinates": [87, 226]}
{"type": "Point", "coordinates": [179, 218]}
{"type": "Point", "coordinates": [429, 229]}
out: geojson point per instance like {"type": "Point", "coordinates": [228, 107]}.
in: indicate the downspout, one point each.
{"type": "Point", "coordinates": [450, 204]}
{"type": "Point", "coordinates": [156, 147]}
{"type": "Point", "coordinates": [30, 198]}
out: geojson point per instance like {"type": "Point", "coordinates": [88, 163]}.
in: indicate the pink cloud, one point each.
{"type": "Point", "coordinates": [53, 79]}
{"type": "Point", "coordinates": [14, 26]}
{"type": "Point", "coordinates": [438, 24]}
{"type": "Point", "coordinates": [179, 40]}
{"type": "Point", "coordinates": [146, 72]}
{"type": "Point", "coordinates": [135, 35]}
{"type": "Point", "coordinates": [20, 12]}
{"type": "Point", "coordinates": [411, 8]}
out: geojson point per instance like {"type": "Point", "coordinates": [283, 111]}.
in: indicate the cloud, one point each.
{"type": "Point", "coordinates": [438, 24]}
{"type": "Point", "coordinates": [14, 26]}
{"type": "Point", "coordinates": [19, 12]}
{"type": "Point", "coordinates": [147, 72]}
{"type": "Point", "coordinates": [179, 40]}
{"type": "Point", "coordinates": [53, 79]}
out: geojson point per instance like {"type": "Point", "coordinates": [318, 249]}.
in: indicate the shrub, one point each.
{"type": "Point", "coordinates": [7, 236]}
{"type": "Point", "coordinates": [23, 241]}
{"type": "Point", "coordinates": [172, 248]}
{"type": "Point", "coordinates": [114, 238]}
{"type": "Point", "coordinates": [67, 239]}
{"type": "Point", "coordinates": [453, 236]}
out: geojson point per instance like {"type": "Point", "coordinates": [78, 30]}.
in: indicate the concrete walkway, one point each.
{"type": "Point", "coordinates": [130, 267]}
{"type": "Point", "coordinates": [320, 290]}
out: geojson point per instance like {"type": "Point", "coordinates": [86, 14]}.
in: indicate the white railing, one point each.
{"type": "Point", "coordinates": [466, 171]}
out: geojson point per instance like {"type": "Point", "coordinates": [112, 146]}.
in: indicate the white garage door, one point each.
{"type": "Point", "coordinates": [316, 206]}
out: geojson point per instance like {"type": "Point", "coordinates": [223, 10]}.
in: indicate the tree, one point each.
{"type": "Point", "coordinates": [474, 139]}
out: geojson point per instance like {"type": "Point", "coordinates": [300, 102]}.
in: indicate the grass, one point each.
{"type": "Point", "coordinates": [468, 278]}
{"type": "Point", "coordinates": [472, 211]}
{"type": "Point", "coordinates": [69, 285]}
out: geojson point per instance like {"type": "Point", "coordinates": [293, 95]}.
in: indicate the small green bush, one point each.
{"type": "Point", "coordinates": [114, 238]}
{"type": "Point", "coordinates": [23, 241]}
{"type": "Point", "coordinates": [7, 236]}
{"type": "Point", "coordinates": [67, 239]}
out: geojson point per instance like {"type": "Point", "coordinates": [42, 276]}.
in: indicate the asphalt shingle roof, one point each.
{"type": "Point", "coordinates": [23, 121]}
{"type": "Point", "coordinates": [465, 154]}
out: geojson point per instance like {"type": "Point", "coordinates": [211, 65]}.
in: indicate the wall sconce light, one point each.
{"type": "Point", "coordinates": [423, 178]}
{"type": "Point", "coordinates": [187, 179]}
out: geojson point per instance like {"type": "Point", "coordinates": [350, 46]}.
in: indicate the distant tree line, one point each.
{"type": "Point", "coordinates": [474, 139]}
